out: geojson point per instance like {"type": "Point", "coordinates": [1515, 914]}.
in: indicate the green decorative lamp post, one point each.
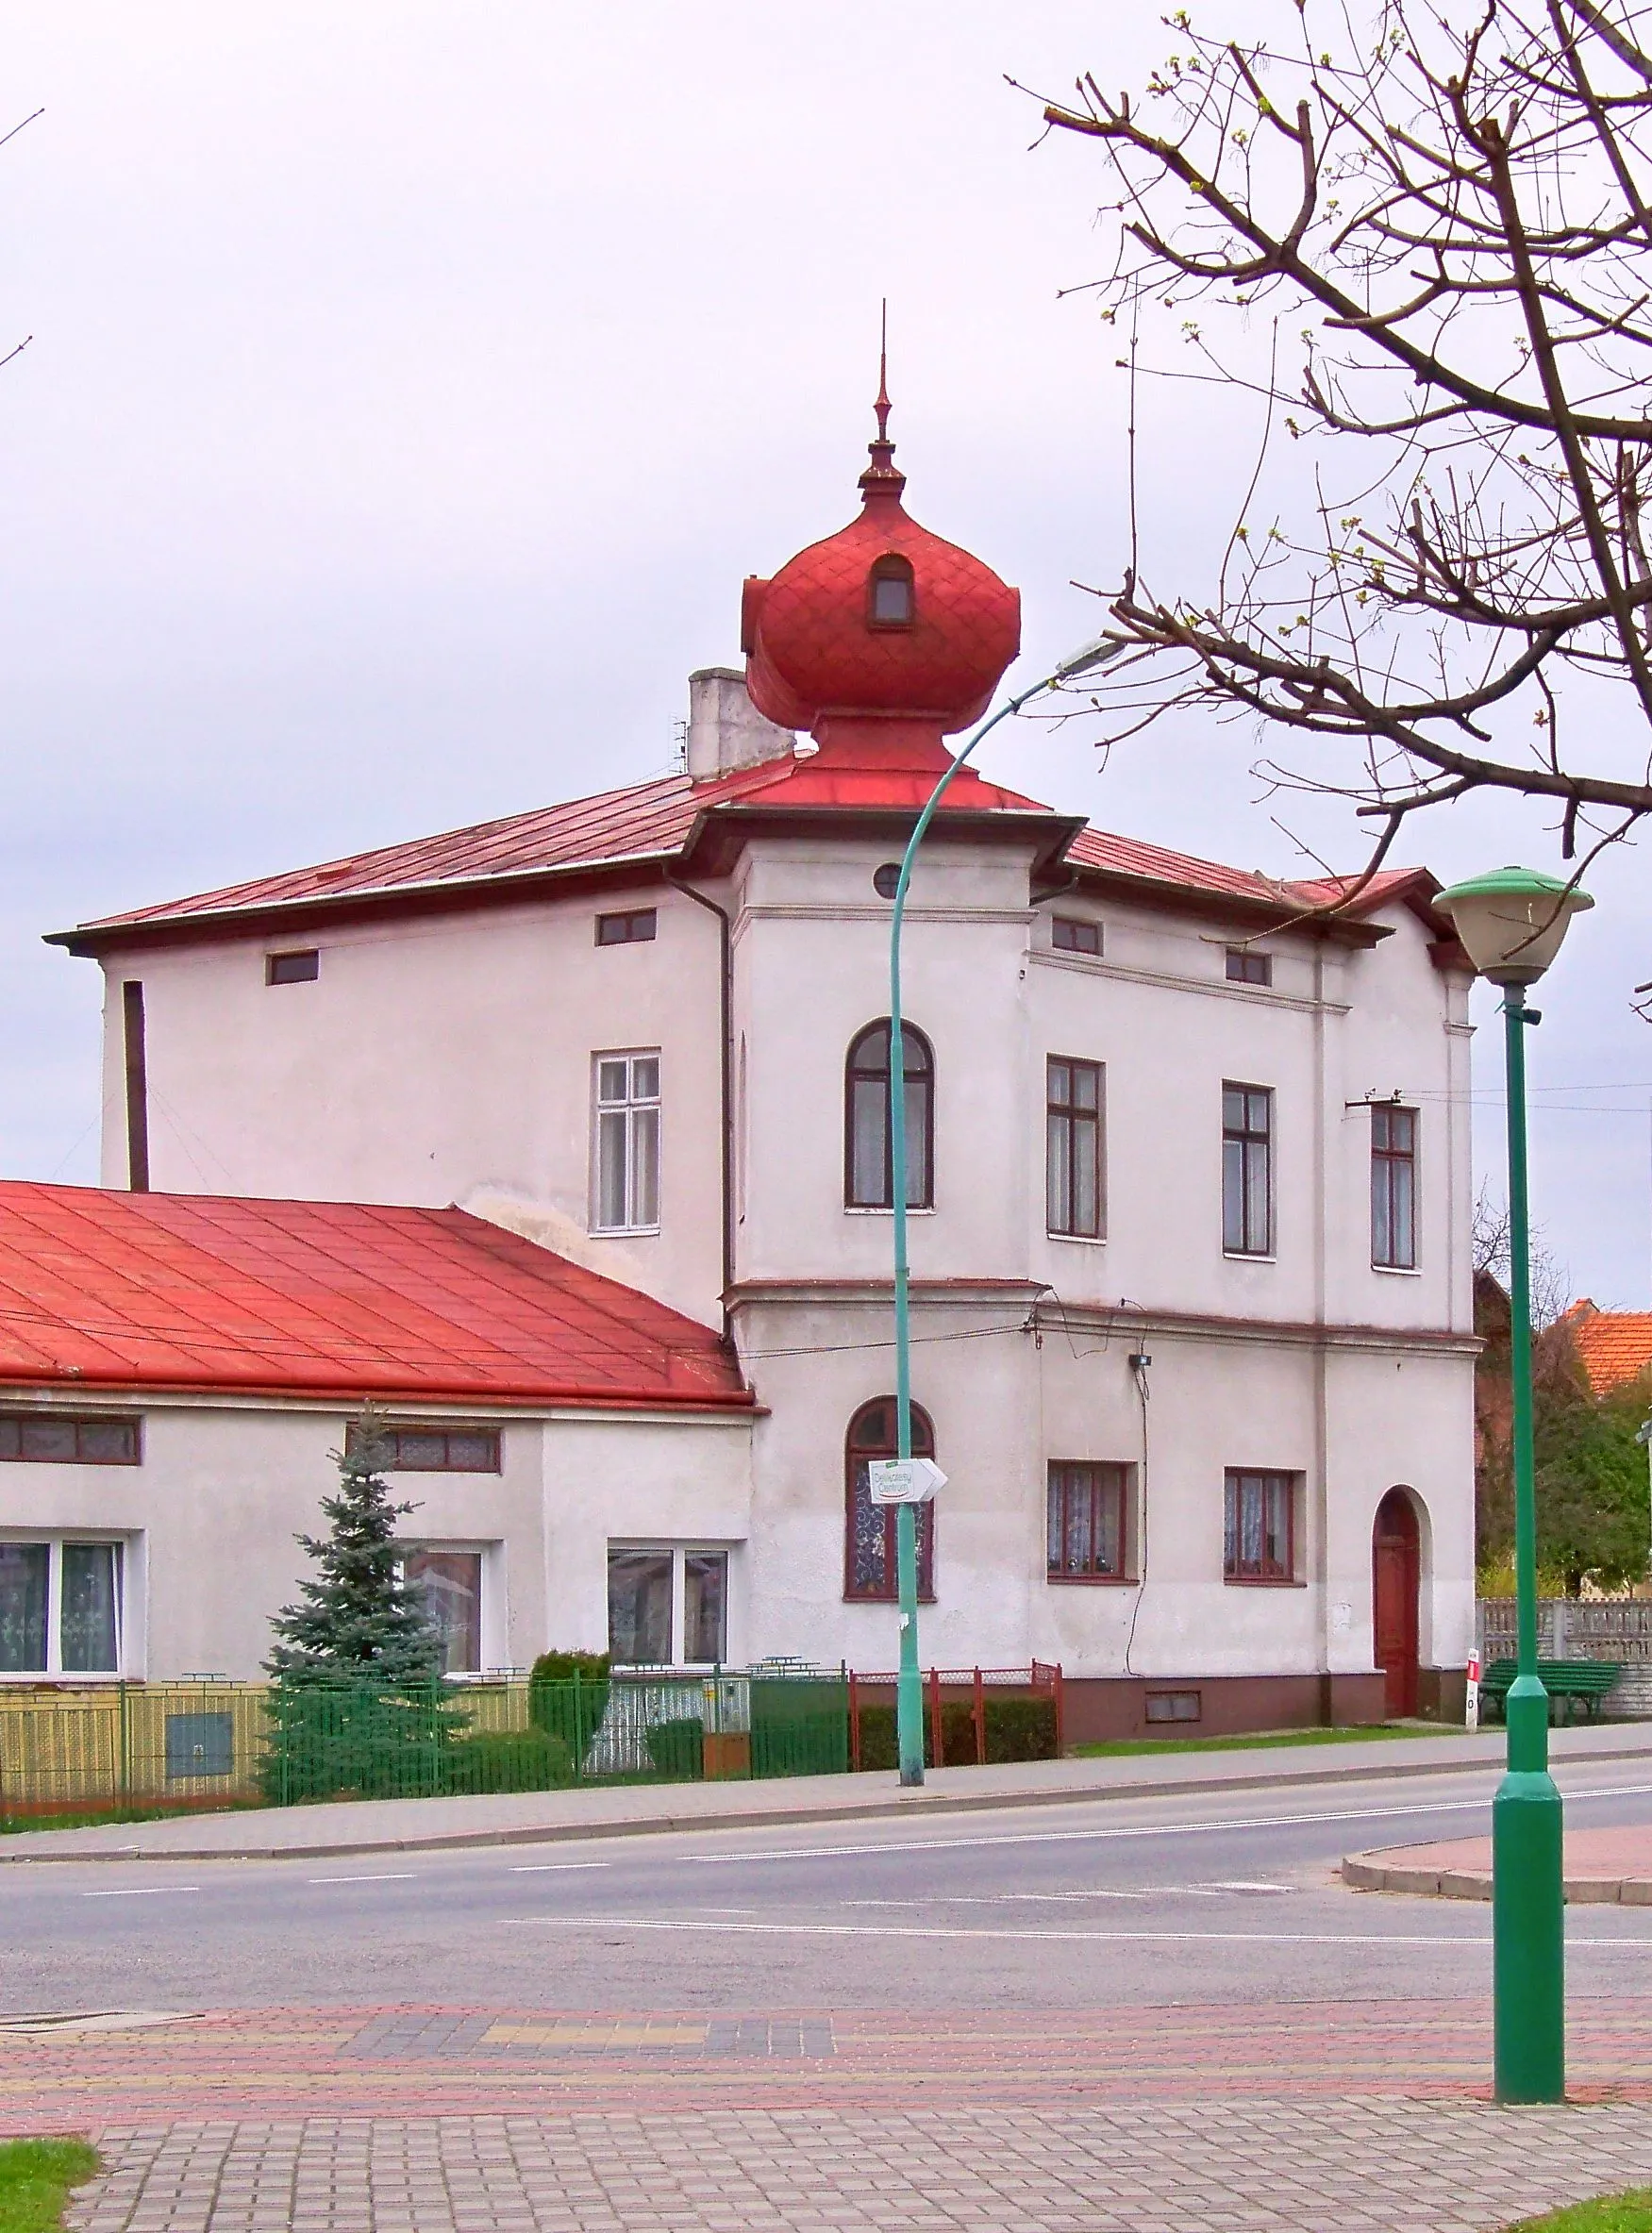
{"type": "Point", "coordinates": [1511, 923]}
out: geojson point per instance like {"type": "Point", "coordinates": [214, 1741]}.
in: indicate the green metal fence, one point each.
{"type": "Point", "coordinates": [134, 1749]}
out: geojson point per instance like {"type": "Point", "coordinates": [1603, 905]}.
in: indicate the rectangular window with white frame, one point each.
{"type": "Point", "coordinates": [667, 1605]}
{"type": "Point", "coordinates": [61, 1607]}
{"type": "Point", "coordinates": [625, 1146]}
{"type": "Point", "coordinates": [452, 1582]}
{"type": "Point", "coordinates": [1247, 1168]}
{"type": "Point", "coordinates": [1393, 1187]}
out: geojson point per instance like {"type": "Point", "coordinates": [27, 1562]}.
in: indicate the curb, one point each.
{"type": "Point", "coordinates": [1366, 1873]}
{"type": "Point", "coordinates": [776, 1817]}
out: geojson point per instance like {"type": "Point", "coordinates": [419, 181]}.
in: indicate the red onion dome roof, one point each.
{"type": "Point", "coordinates": [882, 619]}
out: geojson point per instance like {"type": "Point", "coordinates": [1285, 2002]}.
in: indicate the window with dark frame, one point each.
{"type": "Point", "coordinates": [891, 599]}
{"type": "Point", "coordinates": [48, 1438]}
{"type": "Point", "coordinates": [435, 1449]}
{"type": "Point", "coordinates": [1247, 1177]}
{"type": "Point", "coordinates": [1259, 1527]}
{"type": "Point", "coordinates": [1087, 1526]}
{"type": "Point", "coordinates": [1172, 1706]}
{"type": "Point", "coordinates": [302, 966]}
{"type": "Point", "coordinates": [1245, 966]}
{"type": "Point", "coordinates": [868, 1175]}
{"type": "Point", "coordinates": [1393, 1187]}
{"type": "Point", "coordinates": [633, 928]}
{"type": "Point", "coordinates": [869, 1532]}
{"type": "Point", "coordinates": [1074, 1207]}
{"type": "Point", "coordinates": [1073, 934]}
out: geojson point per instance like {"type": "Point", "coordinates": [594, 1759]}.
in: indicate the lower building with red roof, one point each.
{"type": "Point", "coordinates": [1189, 1192]}
{"type": "Point", "coordinates": [175, 1371]}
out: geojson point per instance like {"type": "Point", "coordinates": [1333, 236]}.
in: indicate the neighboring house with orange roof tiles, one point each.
{"type": "Point", "coordinates": [1615, 1347]}
{"type": "Point", "coordinates": [1190, 1178]}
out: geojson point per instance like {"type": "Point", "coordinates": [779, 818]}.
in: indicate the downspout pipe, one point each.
{"type": "Point", "coordinates": [726, 1070]}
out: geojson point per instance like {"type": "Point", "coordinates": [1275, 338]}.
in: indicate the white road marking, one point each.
{"type": "Point", "coordinates": [137, 1891]}
{"type": "Point", "coordinates": [388, 1877]}
{"type": "Point", "coordinates": [1160, 1829]}
{"type": "Point", "coordinates": [546, 1868]}
{"type": "Point", "coordinates": [1176, 1938]}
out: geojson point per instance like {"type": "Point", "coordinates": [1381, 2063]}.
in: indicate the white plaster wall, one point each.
{"type": "Point", "coordinates": [212, 1512]}
{"type": "Point", "coordinates": [444, 1059]}
{"type": "Point", "coordinates": [1004, 1406]}
{"type": "Point", "coordinates": [983, 982]}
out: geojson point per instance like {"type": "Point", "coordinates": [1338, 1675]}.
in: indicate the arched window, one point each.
{"type": "Point", "coordinates": [869, 1530]}
{"type": "Point", "coordinates": [891, 596]}
{"type": "Point", "coordinates": [868, 1182]}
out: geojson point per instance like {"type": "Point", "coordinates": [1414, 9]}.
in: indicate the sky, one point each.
{"type": "Point", "coordinates": [411, 387]}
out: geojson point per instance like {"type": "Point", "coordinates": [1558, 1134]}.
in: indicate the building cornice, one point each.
{"type": "Point", "coordinates": [1044, 1312]}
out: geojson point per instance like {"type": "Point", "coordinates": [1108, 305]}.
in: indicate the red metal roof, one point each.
{"type": "Point", "coordinates": [656, 825]}
{"type": "Point", "coordinates": [100, 1289]}
{"type": "Point", "coordinates": [1615, 1347]}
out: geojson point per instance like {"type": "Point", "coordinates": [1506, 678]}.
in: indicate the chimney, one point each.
{"type": "Point", "coordinates": [726, 730]}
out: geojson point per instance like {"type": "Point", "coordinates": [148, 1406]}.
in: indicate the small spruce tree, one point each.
{"type": "Point", "coordinates": [360, 1618]}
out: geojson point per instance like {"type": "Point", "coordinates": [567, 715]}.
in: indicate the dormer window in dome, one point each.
{"type": "Point", "coordinates": [891, 601]}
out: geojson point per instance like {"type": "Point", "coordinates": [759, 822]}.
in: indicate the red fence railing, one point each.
{"type": "Point", "coordinates": [1040, 1680]}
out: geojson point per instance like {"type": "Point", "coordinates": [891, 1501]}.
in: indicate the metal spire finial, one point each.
{"type": "Point", "coordinates": [882, 478]}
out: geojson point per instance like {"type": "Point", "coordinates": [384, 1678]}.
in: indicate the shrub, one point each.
{"type": "Point", "coordinates": [509, 1760]}
{"type": "Point", "coordinates": [567, 1696]}
{"type": "Point", "coordinates": [677, 1749]}
{"type": "Point", "coordinates": [1017, 1730]}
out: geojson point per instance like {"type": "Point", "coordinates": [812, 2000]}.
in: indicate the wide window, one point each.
{"type": "Point", "coordinates": [1073, 1144]}
{"type": "Point", "coordinates": [1088, 1522]}
{"type": "Point", "coordinates": [1248, 1175]}
{"type": "Point", "coordinates": [1245, 966]}
{"type": "Point", "coordinates": [1393, 1187]}
{"type": "Point", "coordinates": [435, 1449]}
{"type": "Point", "coordinates": [868, 1179]}
{"type": "Point", "coordinates": [1259, 1527]}
{"type": "Point", "coordinates": [49, 1437]}
{"type": "Point", "coordinates": [60, 1607]}
{"type": "Point", "coordinates": [633, 928]}
{"type": "Point", "coordinates": [452, 1582]}
{"type": "Point", "coordinates": [1073, 934]}
{"type": "Point", "coordinates": [667, 1606]}
{"type": "Point", "coordinates": [625, 1191]}
{"type": "Point", "coordinates": [868, 1546]}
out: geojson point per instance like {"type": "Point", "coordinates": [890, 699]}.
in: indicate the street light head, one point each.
{"type": "Point", "coordinates": [1099, 652]}
{"type": "Point", "coordinates": [1512, 921]}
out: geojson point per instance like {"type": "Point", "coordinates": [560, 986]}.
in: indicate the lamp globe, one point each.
{"type": "Point", "coordinates": [1512, 921]}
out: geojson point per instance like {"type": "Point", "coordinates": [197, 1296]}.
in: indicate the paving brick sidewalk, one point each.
{"type": "Point", "coordinates": [412, 2061]}
{"type": "Point", "coordinates": [1263, 2166]}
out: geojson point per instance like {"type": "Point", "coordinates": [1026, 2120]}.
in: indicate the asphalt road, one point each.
{"type": "Point", "coordinates": [1130, 1902]}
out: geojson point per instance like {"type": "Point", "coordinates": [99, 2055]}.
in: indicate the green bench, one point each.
{"type": "Point", "coordinates": [1579, 1682]}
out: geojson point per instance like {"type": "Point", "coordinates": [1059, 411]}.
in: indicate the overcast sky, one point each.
{"type": "Point", "coordinates": [411, 385]}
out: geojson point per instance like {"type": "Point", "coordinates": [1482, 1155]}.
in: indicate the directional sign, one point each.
{"type": "Point", "coordinates": [904, 1480]}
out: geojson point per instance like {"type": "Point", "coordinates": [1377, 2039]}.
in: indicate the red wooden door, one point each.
{"type": "Point", "coordinates": [1394, 1599]}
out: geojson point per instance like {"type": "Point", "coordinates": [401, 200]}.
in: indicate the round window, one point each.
{"type": "Point", "coordinates": [885, 881]}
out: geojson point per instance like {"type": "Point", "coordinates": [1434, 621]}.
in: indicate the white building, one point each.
{"type": "Point", "coordinates": [1191, 1275]}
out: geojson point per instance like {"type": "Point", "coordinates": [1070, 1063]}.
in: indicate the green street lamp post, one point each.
{"type": "Point", "coordinates": [909, 1691]}
{"type": "Point", "coordinates": [1510, 924]}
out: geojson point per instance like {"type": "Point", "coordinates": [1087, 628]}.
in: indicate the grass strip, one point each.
{"type": "Point", "coordinates": [1280, 1737]}
{"type": "Point", "coordinates": [36, 2177]}
{"type": "Point", "coordinates": [1612, 2213]}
